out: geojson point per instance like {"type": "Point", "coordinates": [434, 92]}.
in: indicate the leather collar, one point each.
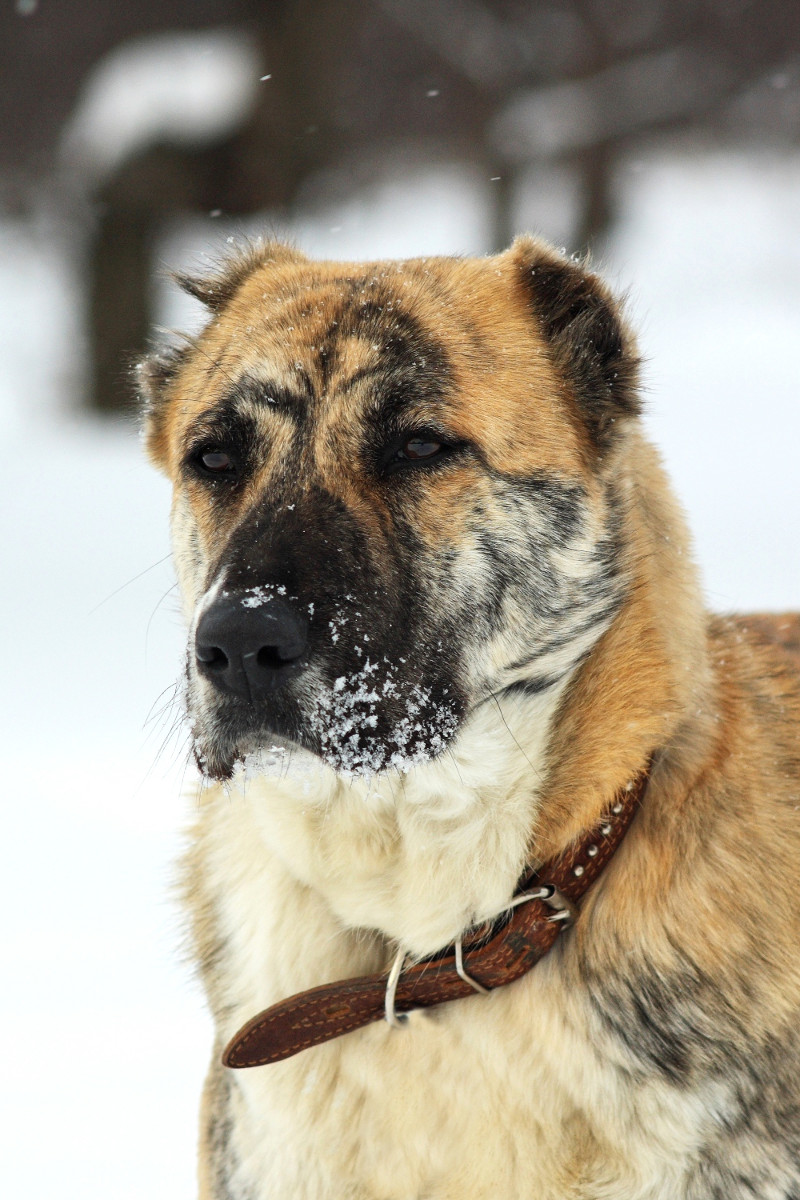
{"type": "Point", "coordinates": [486, 957]}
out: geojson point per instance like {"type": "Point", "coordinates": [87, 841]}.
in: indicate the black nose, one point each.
{"type": "Point", "coordinates": [249, 649]}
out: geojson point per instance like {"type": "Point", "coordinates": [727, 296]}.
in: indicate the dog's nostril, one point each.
{"type": "Point", "coordinates": [270, 657]}
{"type": "Point", "coordinates": [213, 658]}
{"type": "Point", "coordinates": [246, 651]}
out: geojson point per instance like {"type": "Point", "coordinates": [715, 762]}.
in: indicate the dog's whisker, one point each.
{"type": "Point", "coordinates": [173, 733]}
{"type": "Point", "coordinates": [153, 713]}
{"type": "Point", "coordinates": [128, 583]}
{"type": "Point", "coordinates": [516, 743]}
{"type": "Point", "coordinates": [166, 721]}
{"type": "Point", "coordinates": [172, 588]}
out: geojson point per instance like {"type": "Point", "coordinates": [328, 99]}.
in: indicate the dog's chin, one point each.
{"type": "Point", "coordinates": [218, 756]}
{"type": "Point", "coordinates": [214, 762]}
{"type": "Point", "coordinates": [349, 753]}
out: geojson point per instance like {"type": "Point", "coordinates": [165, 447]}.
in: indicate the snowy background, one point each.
{"type": "Point", "coordinates": [105, 1038]}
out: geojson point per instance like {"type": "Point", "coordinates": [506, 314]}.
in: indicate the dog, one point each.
{"type": "Point", "coordinates": [443, 625]}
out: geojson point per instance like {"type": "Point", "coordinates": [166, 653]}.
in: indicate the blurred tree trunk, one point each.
{"type": "Point", "coordinates": [119, 309]}
{"type": "Point", "coordinates": [502, 224]}
{"type": "Point", "coordinates": [596, 202]}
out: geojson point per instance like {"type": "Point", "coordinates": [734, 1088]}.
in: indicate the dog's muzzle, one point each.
{"type": "Point", "coordinates": [249, 650]}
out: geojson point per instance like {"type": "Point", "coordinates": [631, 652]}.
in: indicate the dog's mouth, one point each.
{"type": "Point", "coordinates": [352, 683]}
{"type": "Point", "coordinates": [362, 722]}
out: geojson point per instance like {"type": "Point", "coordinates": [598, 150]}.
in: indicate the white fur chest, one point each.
{"type": "Point", "coordinates": [499, 1096]}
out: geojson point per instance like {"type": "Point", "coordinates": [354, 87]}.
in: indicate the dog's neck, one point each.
{"type": "Point", "coordinates": [422, 855]}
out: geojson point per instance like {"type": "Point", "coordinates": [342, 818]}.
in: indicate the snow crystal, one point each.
{"type": "Point", "coordinates": [355, 704]}
{"type": "Point", "coordinates": [254, 597]}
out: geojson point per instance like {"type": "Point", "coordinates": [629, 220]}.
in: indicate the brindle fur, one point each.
{"type": "Point", "coordinates": [498, 639]}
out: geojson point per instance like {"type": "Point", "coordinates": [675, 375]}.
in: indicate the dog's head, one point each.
{"type": "Point", "coordinates": [394, 494]}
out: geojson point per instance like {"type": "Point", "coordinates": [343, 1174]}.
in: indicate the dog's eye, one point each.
{"type": "Point", "coordinates": [416, 448]}
{"type": "Point", "coordinates": [215, 462]}
{"type": "Point", "coordinates": [423, 448]}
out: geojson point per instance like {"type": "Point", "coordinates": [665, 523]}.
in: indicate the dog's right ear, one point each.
{"type": "Point", "coordinates": [216, 289]}
{"type": "Point", "coordinates": [154, 375]}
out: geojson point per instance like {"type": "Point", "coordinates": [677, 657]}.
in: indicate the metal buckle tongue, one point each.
{"type": "Point", "coordinates": [395, 1019]}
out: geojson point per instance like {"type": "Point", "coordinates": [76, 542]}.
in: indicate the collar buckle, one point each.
{"type": "Point", "coordinates": [563, 911]}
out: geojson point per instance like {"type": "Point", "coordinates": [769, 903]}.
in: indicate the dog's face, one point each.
{"type": "Point", "coordinates": [392, 495]}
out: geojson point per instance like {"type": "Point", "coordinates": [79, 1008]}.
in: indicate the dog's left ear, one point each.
{"type": "Point", "coordinates": [582, 323]}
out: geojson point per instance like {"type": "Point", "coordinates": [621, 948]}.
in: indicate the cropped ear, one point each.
{"type": "Point", "coordinates": [154, 374]}
{"type": "Point", "coordinates": [218, 288]}
{"type": "Point", "coordinates": [590, 343]}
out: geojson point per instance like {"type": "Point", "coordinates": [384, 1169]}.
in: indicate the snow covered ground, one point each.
{"type": "Point", "coordinates": [104, 1034]}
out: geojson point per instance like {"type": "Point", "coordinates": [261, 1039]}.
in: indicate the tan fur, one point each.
{"type": "Point", "coordinates": [302, 876]}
